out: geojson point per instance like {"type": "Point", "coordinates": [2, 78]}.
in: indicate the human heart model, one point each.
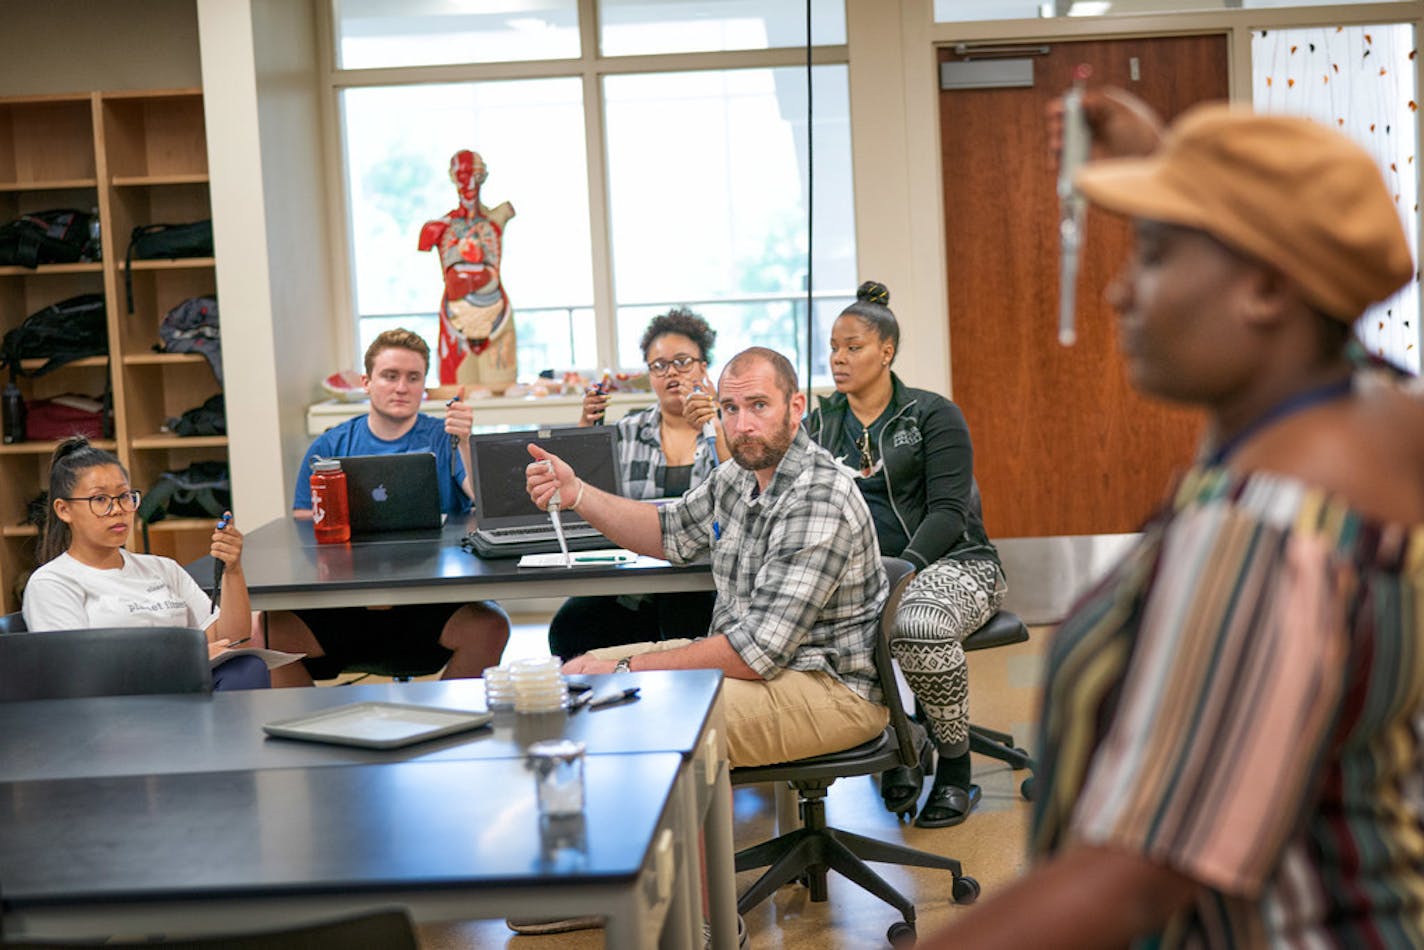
{"type": "Point", "coordinates": [476, 320]}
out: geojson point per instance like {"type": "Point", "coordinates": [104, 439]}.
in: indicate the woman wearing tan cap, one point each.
{"type": "Point", "coordinates": [1230, 723]}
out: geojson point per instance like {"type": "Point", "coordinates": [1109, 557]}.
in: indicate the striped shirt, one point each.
{"type": "Point", "coordinates": [1242, 700]}
{"type": "Point", "coordinates": [640, 454]}
{"type": "Point", "coordinates": [799, 579]}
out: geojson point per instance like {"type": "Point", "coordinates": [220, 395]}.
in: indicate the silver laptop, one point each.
{"type": "Point", "coordinates": [387, 494]}
{"type": "Point", "coordinates": [508, 523]}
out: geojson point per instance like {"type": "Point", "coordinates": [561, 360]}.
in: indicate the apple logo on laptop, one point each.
{"type": "Point", "coordinates": [379, 493]}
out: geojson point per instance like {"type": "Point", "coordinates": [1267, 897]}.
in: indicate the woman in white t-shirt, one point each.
{"type": "Point", "coordinates": [87, 578]}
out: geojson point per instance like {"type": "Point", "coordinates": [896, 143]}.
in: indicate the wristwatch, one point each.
{"type": "Point", "coordinates": [624, 665]}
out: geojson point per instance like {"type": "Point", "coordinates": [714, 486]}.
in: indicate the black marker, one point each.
{"type": "Point", "coordinates": [218, 570]}
{"type": "Point", "coordinates": [610, 696]}
{"type": "Point", "coordinates": [454, 439]}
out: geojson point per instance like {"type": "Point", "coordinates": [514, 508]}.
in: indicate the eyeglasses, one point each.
{"type": "Point", "coordinates": [661, 367]}
{"type": "Point", "coordinates": [103, 505]}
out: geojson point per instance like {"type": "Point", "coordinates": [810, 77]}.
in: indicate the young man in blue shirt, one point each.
{"type": "Point", "coordinates": [464, 638]}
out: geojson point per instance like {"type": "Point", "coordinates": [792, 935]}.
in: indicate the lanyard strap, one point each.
{"type": "Point", "coordinates": [1286, 407]}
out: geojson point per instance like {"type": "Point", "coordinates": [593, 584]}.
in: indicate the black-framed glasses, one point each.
{"type": "Point", "coordinates": [661, 367]}
{"type": "Point", "coordinates": [103, 505]}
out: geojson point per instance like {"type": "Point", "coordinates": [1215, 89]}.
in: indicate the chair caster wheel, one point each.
{"type": "Point", "coordinates": [901, 934]}
{"type": "Point", "coordinates": [1026, 789]}
{"type": "Point", "coordinates": [965, 890]}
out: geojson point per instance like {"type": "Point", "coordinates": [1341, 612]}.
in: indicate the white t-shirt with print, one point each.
{"type": "Point", "coordinates": [148, 591]}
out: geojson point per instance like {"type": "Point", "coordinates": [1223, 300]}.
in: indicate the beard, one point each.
{"type": "Point", "coordinates": [755, 453]}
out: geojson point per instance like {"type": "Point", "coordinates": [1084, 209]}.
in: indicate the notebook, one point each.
{"type": "Point", "coordinates": [508, 523]}
{"type": "Point", "coordinates": [392, 493]}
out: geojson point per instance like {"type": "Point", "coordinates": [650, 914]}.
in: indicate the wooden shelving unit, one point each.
{"type": "Point", "coordinates": [138, 158]}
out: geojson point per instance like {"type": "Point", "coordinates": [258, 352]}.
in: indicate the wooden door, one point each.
{"type": "Point", "coordinates": [1062, 443]}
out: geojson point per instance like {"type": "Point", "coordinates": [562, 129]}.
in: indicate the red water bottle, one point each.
{"type": "Point", "coordinates": [331, 519]}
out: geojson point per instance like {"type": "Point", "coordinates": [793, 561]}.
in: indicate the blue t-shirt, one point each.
{"type": "Point", "coordinates": [354, 437]}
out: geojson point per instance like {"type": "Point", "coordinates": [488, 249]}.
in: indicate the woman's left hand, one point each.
{"type": "Point", "coordinates": [701, 406]}
{"type": "Point", "coordinates": [227, 544]}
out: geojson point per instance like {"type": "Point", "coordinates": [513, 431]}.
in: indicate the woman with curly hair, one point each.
{"type": "Point", "coordinates": [664, 451]}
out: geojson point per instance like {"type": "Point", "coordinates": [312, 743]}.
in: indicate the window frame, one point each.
{"type": "Point", "coordinates": [590, 67]}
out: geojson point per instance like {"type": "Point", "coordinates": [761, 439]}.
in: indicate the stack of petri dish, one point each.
{"type": "Point", "coordinates": [499, 688]}
{"type": "Point", "coordinates": [538, 685]}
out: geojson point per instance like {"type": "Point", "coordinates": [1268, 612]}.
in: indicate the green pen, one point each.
{"type": "Point", "coordinates": [615, 558]}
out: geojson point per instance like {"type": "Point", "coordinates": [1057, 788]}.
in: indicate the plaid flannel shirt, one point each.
{"type": "Point", "coordinates": [799, 579]}
{"type": "Point", "coordinates": [640, 454]}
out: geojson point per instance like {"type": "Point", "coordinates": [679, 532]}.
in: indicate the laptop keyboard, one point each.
{"type": "Point", "coordinates": [578, 529]}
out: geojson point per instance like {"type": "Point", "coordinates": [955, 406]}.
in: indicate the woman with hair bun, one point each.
{"type": "Point", "coordinates": [87, 578]}
{"type": "Point", "coordinates": [912, 458]}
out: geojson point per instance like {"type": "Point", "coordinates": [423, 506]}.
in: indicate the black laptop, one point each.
{"type": "Point", "coordinates": [390, 494]}
{"type": "Point", "coordinates": [508, 524]}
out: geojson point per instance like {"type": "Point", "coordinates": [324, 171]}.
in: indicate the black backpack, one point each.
{"type": "Point", "coordinates": [202, 490]}
{"type": "Point", "coordinates": [47, 237]}
{"type": "Point", "coordinates": [60, 333]}
{"type": "Point", "coordinates": [172, 241]}
{"type": "Point", "coordinates": [208, 419]}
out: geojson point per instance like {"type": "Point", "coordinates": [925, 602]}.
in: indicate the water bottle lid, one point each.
{"type": "Point", "coordinates": [320, 464]}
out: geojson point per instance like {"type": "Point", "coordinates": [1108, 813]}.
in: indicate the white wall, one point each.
{"type": "Point", "coordinates": [306, 345]}
{"type": "Point", "coordinates": [259, 70]}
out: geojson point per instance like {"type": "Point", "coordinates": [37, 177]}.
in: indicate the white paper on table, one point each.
{"type": "Point", "coordinates": [602, 556]}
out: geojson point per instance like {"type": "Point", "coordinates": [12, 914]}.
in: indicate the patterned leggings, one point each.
{"type": "Point", "coordinates": [945, 603]}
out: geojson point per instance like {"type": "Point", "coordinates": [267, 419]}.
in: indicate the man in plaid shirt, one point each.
{"type": "Point", "coordinates": [797, 567]}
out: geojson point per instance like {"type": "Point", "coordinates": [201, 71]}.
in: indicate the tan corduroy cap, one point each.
{"type": "Point", "coordinates": [1288, 191]}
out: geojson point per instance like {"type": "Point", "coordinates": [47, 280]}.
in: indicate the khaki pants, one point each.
{"type": "Point", "coordinates": [790, 717]}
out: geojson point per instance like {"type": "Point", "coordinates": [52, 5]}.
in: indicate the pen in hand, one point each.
{"type": "Point", "coordinates": [218, 568]}
{"type": "Point", "coordinates": [238, 643]}
{"type": "Point", "coordinates": [454, 439]}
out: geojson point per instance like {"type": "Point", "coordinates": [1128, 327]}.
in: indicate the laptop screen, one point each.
{"type": "Point", "coordinates": [501, 458]}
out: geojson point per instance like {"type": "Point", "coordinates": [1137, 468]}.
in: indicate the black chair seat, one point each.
{"type": "Point", "coordinates": [868, 758]}
{"type": "Point", "coordinates": [1001, 630]}
{"type": "Point", "coordinates": [104, 661]}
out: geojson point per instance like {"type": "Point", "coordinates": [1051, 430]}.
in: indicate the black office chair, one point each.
{"type": "Point", "coordinates": [1002, 629]}
{"type": "Point", "coordinates": [809, 852]}
{"type": "Point", "coordinates": [13, 623]}
{"type": "Point", "coordinates": [104, 661]}
{"type": "Point", "coordinates": [379, 930]}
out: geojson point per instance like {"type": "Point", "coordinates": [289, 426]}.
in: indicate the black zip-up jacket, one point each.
{"type": "Point", "coordinates": [929, 468]}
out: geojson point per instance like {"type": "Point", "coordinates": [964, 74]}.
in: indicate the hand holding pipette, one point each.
{"type": "Point", "coordinates": [1072, 207]}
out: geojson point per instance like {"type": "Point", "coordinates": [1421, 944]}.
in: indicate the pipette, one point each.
{"type": "Point", "coordinates": [554, 503]}
{"type": "Point", "coordinates": [1072, 206]}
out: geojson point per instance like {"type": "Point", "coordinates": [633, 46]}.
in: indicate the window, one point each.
{"type": "Point", "coordinates": [632, 27]}
{"type": "Point", "coordinates": [707, 188]}
{"type": "Point", "coordinates": [380, 33]}
{"type": "Point", "coordinates": [701, 190]}
{"type": "Point", "coordinates": [530, 133]}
